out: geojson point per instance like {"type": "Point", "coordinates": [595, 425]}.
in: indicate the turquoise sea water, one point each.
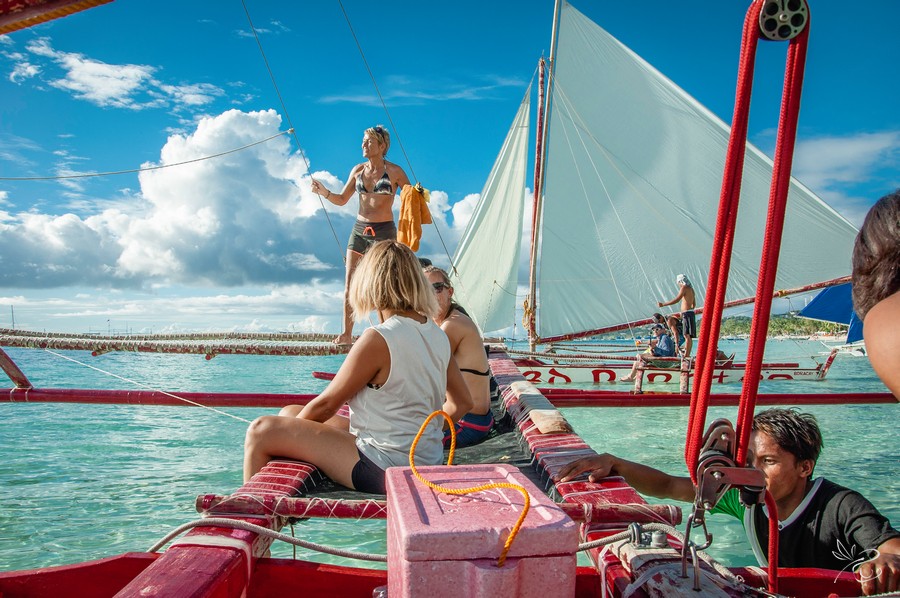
{"type": "Point", "coordinates": [80, 482]}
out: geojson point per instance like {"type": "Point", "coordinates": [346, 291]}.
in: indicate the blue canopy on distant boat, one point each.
{"type": "Point", "coordinates": [835, 304]}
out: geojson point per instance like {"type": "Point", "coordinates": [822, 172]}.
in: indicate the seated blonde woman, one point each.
{"type": "Point", "coordinates": [467, 346]}
{"type": "Point", "coordinates": [395, 375]}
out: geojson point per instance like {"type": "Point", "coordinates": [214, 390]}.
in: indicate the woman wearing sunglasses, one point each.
{"type": "Point", "coordinates": [376, 181]}
{"type": "Point", "coordinates": [467, 346]}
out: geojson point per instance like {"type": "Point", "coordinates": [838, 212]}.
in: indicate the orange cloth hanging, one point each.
{"type": "Point", "coordinates": [413, 214]}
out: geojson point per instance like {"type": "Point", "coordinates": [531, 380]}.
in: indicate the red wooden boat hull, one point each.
{"type": "Point", "coordinates": [106, 577]}
{"type": "Point", "coordinates": [557, 374]}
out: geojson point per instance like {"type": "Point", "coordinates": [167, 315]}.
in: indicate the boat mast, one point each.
{"type": "Point", "coordinates": [539, 162]}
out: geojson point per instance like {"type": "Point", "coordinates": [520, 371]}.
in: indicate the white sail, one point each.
{"type": "Point", "coordinates": [487, 257]}
{"type": "Point", "coordinates": [633, 175]}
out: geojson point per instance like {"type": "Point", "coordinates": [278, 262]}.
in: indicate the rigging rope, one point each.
{"type": "Point", "coordinates": [722, 248]}
{"type": "Point", "coordinates": [145, 386]}
{"type": "Point", "coordinates": [287, 117]}
{"type": "Point", "coordinates": [144, 169]}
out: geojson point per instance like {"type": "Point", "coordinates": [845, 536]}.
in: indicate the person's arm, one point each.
{"type": "Point", "coordinates": [673, 301]}
{"type": "Point", "coordinates": [675, 338]}
{"type": "Point", "coordinates": [338, 199]}
{"type": "Point", "coordinates": [467, 348]}
{"type": "Point", "coordinates": [642, 478]}
{"type": "Point", "coordinates": [458, 401]}
{"type": "Point", "coordinates": [368, 357]}
{"type": "Point", "coordinates": [882, 574]}
{"type": "Point", "coordinates": [398, 176]}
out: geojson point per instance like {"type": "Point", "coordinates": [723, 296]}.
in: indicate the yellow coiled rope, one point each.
{"type": "Point", "coordinates": [526, 314]}
{"type": "Point", "coordinates": [438, 488]}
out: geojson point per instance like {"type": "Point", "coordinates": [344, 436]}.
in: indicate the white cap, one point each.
{"type": "Point", "coordinates": [682, 279]}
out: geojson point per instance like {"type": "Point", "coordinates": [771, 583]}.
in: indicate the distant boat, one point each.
{"type": "Point", "coordinates": [835, 305]}
{"type": "Point", "coordinates": [628, 170]}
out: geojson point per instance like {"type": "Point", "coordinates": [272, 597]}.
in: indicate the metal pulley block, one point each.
{"type": "Point", "coordinates": [782, 20]}
{"type": "Point", "coordinates": [717, 470]}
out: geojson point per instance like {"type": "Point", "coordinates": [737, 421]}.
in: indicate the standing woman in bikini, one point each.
{"type": "Point", "coordinates": [376, 181]}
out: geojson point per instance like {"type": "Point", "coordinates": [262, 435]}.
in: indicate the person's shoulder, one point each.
{"type": "Point", "coordinates": [396, 172]}
{"type": "Point", "coordinates": [828, 492]}
{"type": "Point", "coordinates": [371, 337]}
{"type": "Point", "coordinates": [882, 334]}
{"type": "Point", "coordinates": [459, 325]}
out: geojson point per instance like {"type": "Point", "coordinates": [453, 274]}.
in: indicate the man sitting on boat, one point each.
{"type": "Point", "coordinates": [688, 303]}
{"type": "Point", "coordinates": [661, 346]}
{"type": "Point", "coordinates": [822, 524]}
{"type": "Point", "coordinates": [673, 323]}
{"type": "Point", "coordinates": [467, 347]}
{"type": "Point", "coordinates": [395, 375]}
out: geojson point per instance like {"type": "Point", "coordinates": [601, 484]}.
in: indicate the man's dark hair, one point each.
{"type": "Point", "coordinates": [795, 432]}
{"type": "Point", "coordinates": [876, 255]}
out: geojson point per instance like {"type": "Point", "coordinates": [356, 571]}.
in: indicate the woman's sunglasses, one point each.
{"type": "Point", "coordinates": [440, 286]}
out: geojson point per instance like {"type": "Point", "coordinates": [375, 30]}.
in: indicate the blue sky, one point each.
{"type": "Point", "coordinates": [239, 242]}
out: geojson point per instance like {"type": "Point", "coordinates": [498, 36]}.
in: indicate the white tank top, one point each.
{"type": "Point", "coordinates": [385, 421]}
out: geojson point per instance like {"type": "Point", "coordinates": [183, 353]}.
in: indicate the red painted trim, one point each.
{"type": "Point", "coordinates": [12, 370]}
{"type": "Point", "coordinates": [150, 397]}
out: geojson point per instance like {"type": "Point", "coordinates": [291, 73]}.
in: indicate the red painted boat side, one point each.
{"type": "Point", "coordinates": [100, 578]}
{"type": "Point", "coordinates": [152, 397]}
{"type": "Point", "coordinates": [218, 562]}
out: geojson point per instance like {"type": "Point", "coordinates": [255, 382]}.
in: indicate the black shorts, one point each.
{"type": "Point", "coordinates": [367, 476]}
{"type": "Point", "coordinates": [689, 322]}
{"type": "Point", "coordinates": [366, 234]}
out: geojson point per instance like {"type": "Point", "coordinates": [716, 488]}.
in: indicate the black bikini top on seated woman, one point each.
{"type": "Point", "coordinates": [382, 185]}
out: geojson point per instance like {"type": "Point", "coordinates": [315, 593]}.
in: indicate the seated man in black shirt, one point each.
{"type": "Point", "coordinates": [821, 522]}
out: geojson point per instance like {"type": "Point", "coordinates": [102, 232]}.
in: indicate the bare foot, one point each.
{"type": "Point", "coordinates": [343, 339]}
{"type": "Point", "coordinates": [627, 379]}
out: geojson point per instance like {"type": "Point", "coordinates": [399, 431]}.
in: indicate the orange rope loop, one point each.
{"type": "Point", "coordinates": [474, 489]}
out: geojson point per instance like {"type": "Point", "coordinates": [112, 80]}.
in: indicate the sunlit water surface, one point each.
{"type": "Point", "coordinates": [80, 482]}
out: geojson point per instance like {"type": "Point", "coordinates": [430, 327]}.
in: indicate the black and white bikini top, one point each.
{"type": "Point", "coordinates": [382, 185]}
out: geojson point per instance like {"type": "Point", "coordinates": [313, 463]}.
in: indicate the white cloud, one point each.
{"type": "Point", "coordinates": [22, 68]}
{"type": "Point", "coordinates": [296, 308]}
{"type": "Point", "coordinates": [129, 86]}
{"type": "Point", "coordinates": [404, 91]}
{"type": "Point", "coordinates": [843, 169]}
{"type": "Point", "coordinates": [243, 218]}
{"type": "Point", "coordinates": [826, 162]}
{"type": "Point", "coordinates": [198, 94]}
{"type": "Point", "coordinates": [245, 223]}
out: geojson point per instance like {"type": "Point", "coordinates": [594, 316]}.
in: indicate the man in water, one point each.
{"type": "Point", "coordinates": [822, 524]}
{"type": "Point", "coordinates": [688, 317]}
